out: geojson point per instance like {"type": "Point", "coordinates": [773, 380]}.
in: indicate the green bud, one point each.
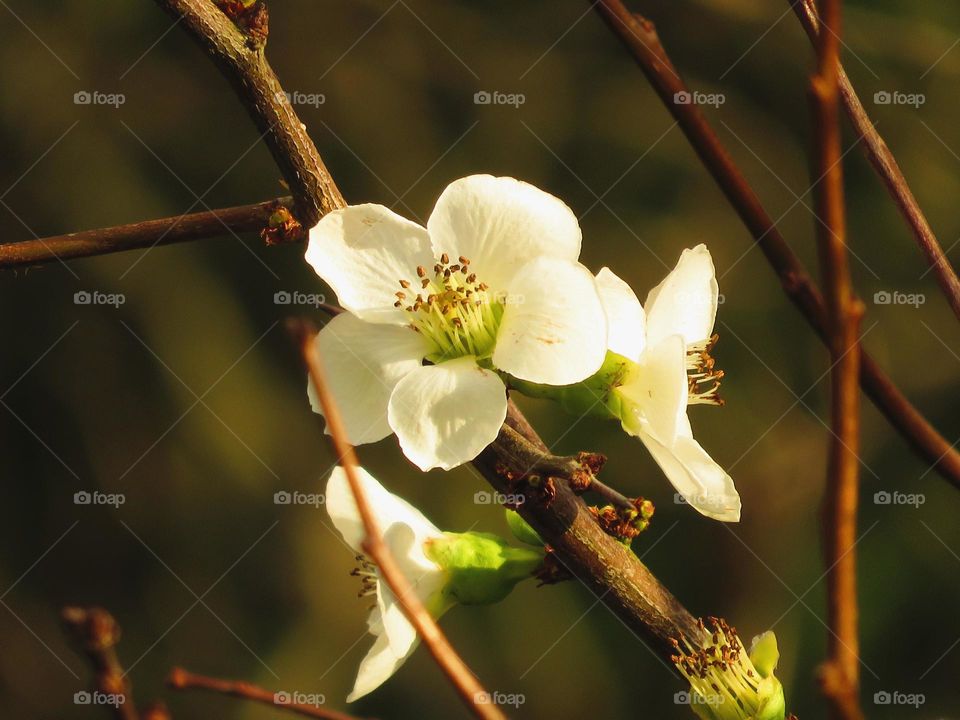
{"type": "Point", "coordinates": [482, 568]}
{"type": "Point", "coordinates": [521, 529]}
{"type": "Point", "coordinates": [764, 653]}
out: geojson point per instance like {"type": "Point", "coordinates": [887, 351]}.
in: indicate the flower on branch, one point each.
{"type": "Point", "coordinates": [492, 285]}
{"type": "Point", "coordinates": [443, 569]}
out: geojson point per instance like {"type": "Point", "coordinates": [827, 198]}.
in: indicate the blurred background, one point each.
{"type": "Point", "coordinates": [189, 400]}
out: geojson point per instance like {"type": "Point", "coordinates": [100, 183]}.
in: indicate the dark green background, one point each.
{"type": "Point", "coordinates": [112, 406]}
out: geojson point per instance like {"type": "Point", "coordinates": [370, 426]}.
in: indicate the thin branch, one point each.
{"type": "Point", "coordinates": [97, 633]}
{"type": "Point", "coordinates": [887, 168]}
{"type": "Point", "coordinates": [640, 38]}
{"type": "Point", "coordinates": [242, 61]}
{"type": "Point", "coordinates": [183, 228]}
{"type": "Point", "coordinates": [180, 679]}
{"type": "Point", "coordinates": [840, 673]}
{"type": "Point", "coordinates": [460, 676]}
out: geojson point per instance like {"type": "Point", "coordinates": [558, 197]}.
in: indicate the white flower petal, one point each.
{"type": "Point", "coordinates": [363, 363]}
{"type": "Point", "coordinates": [553, 330]}
{"type": "Point", "coordinates": [388, 509]}
{"type": "Point", "coordinates": [499, 224]}
{"type": "Point", "coordinates": [376, 668]}
{"type": "Point", "coordinates": [654, 397]}
{"type": "Point", "coordinates": [362, 252]}
{"type": "Point", "coordinates": [626, 321]}
{"type": "Point", "coordinates": [686, 301]}
{"type": "Point", "coordinates": [702, 483]}
{"type": "Point", "coordinates": [445, 414]}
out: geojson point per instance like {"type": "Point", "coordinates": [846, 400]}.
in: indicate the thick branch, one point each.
{"type": "Point", "coordinates": [456, 670]}
{"type": "Point", "coordinates": [180, 679]}
{"type": "Point", "coordinates": [887, 168]}
{"type": "Point", "coordinates": [640, 38]}
{"type": "Point", "coordinates": [840, 673]}
{"type": "Point", "coordinates": [244, 64]}
{"type": "Point", "coordinates": [196, 226]}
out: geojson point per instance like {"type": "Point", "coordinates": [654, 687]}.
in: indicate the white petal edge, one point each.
{"type": "Point", "coordinates": [499, 224]}
{"type": "Point", "coordinates": [445, 415]}
{"type": "Point", "coordinates": [388, 509]}
{"type": "Point", "coordinates": [686, 301]}
{"type": "Point", "coordinates": [362, 252]}
{"type": "Point", "coordinates": [696, 476]}
{"type": "Point", "coordinates": [654, 397]}
{"type": "Point", "coordinates": [363, 362]}
{"type": "Point", "coordinates": [626, 320]}
{"type": "Point", "coordinates": [377, 667]}
{"type": "Point", "coordinates": [554, 329]}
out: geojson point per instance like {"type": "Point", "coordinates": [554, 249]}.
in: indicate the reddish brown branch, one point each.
{"type": "Point", "coordinates": [887, 168]}
{"type": "Point", "coordinates": [460, 676]}
{"type": "Point", "coordinates": [840, 673]}
{"type": "Point", "coordinates": [640, 38]}
{"type": "Point", "coordinates": [180, 679]}
{"type": "Point", "coordinates": [183, 228]}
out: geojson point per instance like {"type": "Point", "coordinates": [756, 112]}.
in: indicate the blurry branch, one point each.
{"type": "Point", "coordinates": [887, 168]}
{"type": "Point", "coordinates": [460, 676]}
{"type": "Point", "coordinates": [240, 57]}
{"type": "Point", "coordinates": [180, 679]}
{"type": "Point", "coordinates": [97, 634]}
{"type": "Point", "coordinates": [840, 673]}
{"type": "Point", "coordinates": [640, 38]}
{"type": "Point", "coordinates": [183, 228]}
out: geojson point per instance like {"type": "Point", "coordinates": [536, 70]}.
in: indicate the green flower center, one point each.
{"type": "Point", "coordinates": [455, 311]}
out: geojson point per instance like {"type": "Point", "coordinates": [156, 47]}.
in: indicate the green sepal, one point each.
{"type": "Point", "coordinates": [521, 529]}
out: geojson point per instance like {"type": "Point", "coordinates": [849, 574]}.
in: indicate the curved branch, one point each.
{"type": "Point", "coordinates": [887, 168]}
{"type": "Point", "coordinates": [640, 38]}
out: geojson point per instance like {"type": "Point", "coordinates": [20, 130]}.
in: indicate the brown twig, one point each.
{"type": "Point", "coordinates": [245, 65]}
{"type": "Point", "coordinates": [887, 168]}
{"type": "Point", "coordinates": [96, 631]}
{"type": "Point", "coordinates": [640, 38]}
{"type": "Point", "coordinates": [840, 673]}
{"type": "Point", "coordinates": [460, 676]}
{"type": "Point", "coordinates": [183, 228]}
{"type": "Point", "coordinates": [180, 679]}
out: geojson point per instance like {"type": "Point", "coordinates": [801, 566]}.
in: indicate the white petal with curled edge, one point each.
{"type": "Point", "coordinates": [654, 397]}
{"type": "Point", "coordinates": [388, 509]}
{"type": "Point", "coordinates": [500, 224]}
{"type": "Point", "coordinates": [377, 667]}
{"type": "Point", "coordinates": [445, 414]}
{"type": "Point", "coordinates": [702, 482]}
{"type": "Point", "coordinates": [686, 301]}
{"type": "Point", "coordinates": [626, 321]}
{"type": "Point", "coordinates": [362, 252]}
{"type": "Point", "coordinates": [553, 329]}
{"type": "Point", "coordinates": [363, 362]}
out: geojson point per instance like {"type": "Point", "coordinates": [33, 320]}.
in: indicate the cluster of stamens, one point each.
{"type": "Point", "coordinates": [367, 572]}
{"type": "Point", "coordinates": [719, 670]}
{"type": "Point", "coordinates": [452, 308]}
{"type": "Point", "coordinates": [702, 375]}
